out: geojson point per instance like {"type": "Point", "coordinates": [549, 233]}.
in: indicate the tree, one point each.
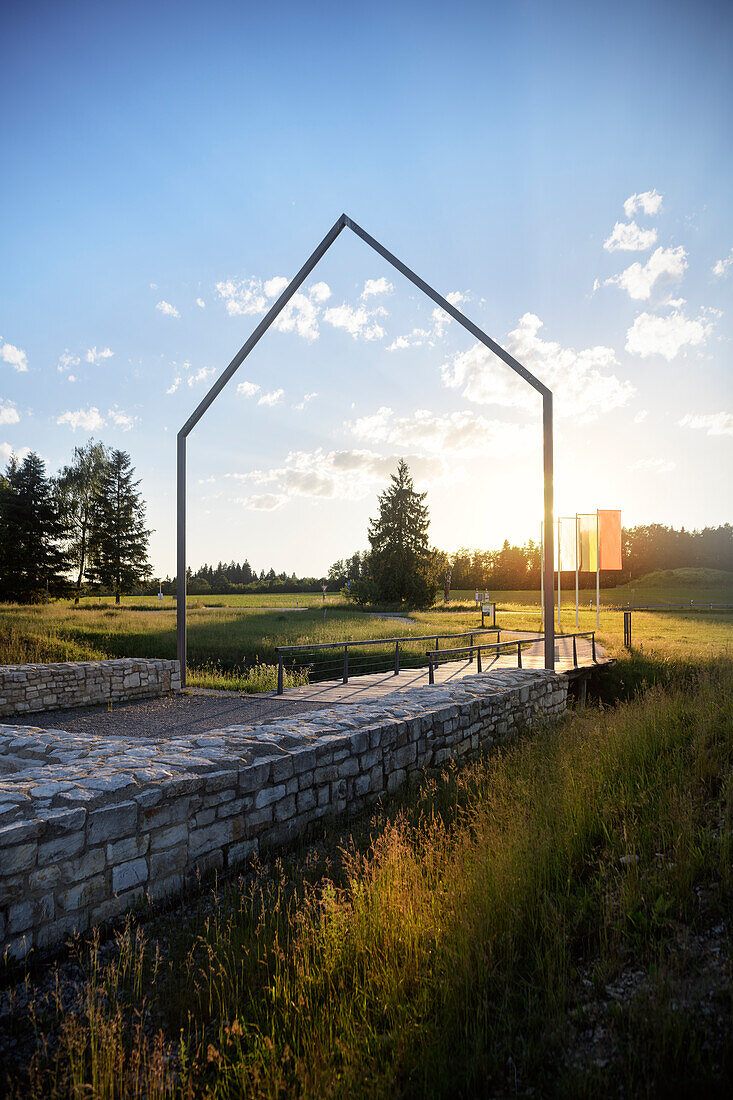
{"type": "Point", "coordinates": [401, 567]}
{"type": "Point", "coordinates": [32, 561]}
{"type": "Point", "coordinates": [119, 551]}
{"type": "Point", "coordinates": [78, 485]}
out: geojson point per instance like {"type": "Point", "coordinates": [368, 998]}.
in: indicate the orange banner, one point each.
{"type": "Point", "coordinates": [609, 539]}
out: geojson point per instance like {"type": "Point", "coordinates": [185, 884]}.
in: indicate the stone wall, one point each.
{"type": "Point", "coordinates": [27, 688]}
{"type": "Point", "coordinates": [89, 825]}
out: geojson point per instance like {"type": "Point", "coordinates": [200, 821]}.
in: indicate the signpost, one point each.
{"type": "Point", "coordinates": [324, 587]}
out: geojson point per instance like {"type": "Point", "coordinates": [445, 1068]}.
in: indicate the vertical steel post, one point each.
{"type": "Point", "coordinates": [519, 654]}
{"type": "Point", "coordinates": [181, 555]}
{"type": "Point", "coordinates": [577, 584]}
{"type": "Point", "coordinates": [280, 676]}
{"type": "Point", "coordinates": [431, 673]}
{"type": "Point", "coordinates": [559, 574]}
{"type": "Point", "coordinates": [598, 573]}
{"type": "Point", "coordinates": [346, 664]}
{"type": "Point", "coordinates": [549, 586]}
{"type": "Point", "coordinates": [397, 658]}
{"type": "Point", "coordinates": [478, 659]}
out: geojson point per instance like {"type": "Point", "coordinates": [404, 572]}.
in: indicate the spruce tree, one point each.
{"type": "Point", "coordinates": [32, 562]}
{"type": "Point", "coordinates": [78, 485]}
{"type": "Point", "coordinates": [401, 567]}
{"type": "Point", "coordinates": [119, 550]}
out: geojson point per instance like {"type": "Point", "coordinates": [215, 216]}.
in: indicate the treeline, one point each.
{"type": "Point", "coordinates": [224, 579]}
{"type": "Point", "coordinates": [82, 530]}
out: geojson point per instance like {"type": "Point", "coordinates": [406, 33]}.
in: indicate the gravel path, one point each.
{"type": "Point", "coordinates": [181, 715]}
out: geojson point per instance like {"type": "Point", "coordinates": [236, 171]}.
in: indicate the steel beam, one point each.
{"type": "Point", "coordinates": [254, 339]}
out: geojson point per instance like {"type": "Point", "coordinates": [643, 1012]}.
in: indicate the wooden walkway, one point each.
{"type": "Point", "coordinates": [376, 685]}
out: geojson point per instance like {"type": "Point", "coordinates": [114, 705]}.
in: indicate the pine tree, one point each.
{"type": "Point", "coordinates": [78, 485]}
{"type": "Point", "coordinates": [32, 562]}
{"type": "Point", "coordinates": [401, 567]}
{"type": "Point", "coordinates": [119, 551]}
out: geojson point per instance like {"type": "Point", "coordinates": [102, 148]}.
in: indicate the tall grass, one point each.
{"type": "Point", "coordinates": [447, 948]}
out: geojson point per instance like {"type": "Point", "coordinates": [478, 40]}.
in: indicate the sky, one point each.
{"type": "Point", "coordinates": [561, 171]}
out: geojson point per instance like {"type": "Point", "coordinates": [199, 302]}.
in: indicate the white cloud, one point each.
{"type": "Point", "coordinates": [638, 279]}
{"type": "Point", "coordinates": [320, 292]}
{"type": "Point", "coordinates": [376, 286]}
{"type": "Point", "coordinates": [649, 202]}
{"type": "Point", "coordinates": [641, 416]}
{"type": "Point", "coordinates": [243, 296]}
{"type": "Point", "coordinates": [15, 357]}
{"type": "Point", "coordinates": [271, 398]}
{"type": "Point", "coordinates": [719, 423]}
{"type": "Point", "coordinates": [456, 432]}
{"type": "Point", "coordinates": [71, 378]}
{"type": "Point", "coordinates": [420, 336]}
{"type": "Point", "coordinates": [201, 303]}
{"type": "Point", "coordinates": [666, 336]}
{"type": "Point", "coordinates": [167, 309]}
{"type": "Point", "coordinates": [655, 465]}
{"type": "Point", "coordinates": [333, 475]}
{"type": "Point", "coordinates": [8, 412]}
{"type": "Point", "coordinates": [301, 315]}
{"type": "Point", "coordinates": [174, 384]}
{"type": "Point", "coordinates": [456, 298]}
{"type": "Point", "coordinates": [67, 361]}
{"type": "Point", "coordinates": [581, 381]}
{"type": "Point", "coordinates": [275, 286]}
{"type": "Point", "coordinates": [629, 237]}
{"type": "Point", "coordinates": [121, 419]}
{"type": "Point", "coordinates": [89, 419]}
{"type": "Point", "coordinates": [201, 375]}
{"type": "Point", "coordinates": [306, 398]}
{"type": "Point", "coordinates": [248, 389]}
{"type": "Point", "coordinates": [7, 451]}
{"type": "Point", "coordinates": [95, 357]}
{"type": "Point", "coordinates": [358, 321]}
{"type": "Point", "coordinates": [722, 266]}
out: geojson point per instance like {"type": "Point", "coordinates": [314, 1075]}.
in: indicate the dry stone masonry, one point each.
{"type": "Point", "coordinates": [27, 688]}
{"type": "Point", "coordinates": [89, 825]}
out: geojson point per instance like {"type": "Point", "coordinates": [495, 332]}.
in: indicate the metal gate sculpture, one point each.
{"type": "Point", "coordinates": [345, 222]}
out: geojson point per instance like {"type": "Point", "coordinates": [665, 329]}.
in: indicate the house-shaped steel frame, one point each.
{"type": "Point", "coordinates": [343, 223]}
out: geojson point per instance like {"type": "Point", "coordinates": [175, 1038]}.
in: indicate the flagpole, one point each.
{"type": "Point", "coordinates": [598, 573]}
{"type": "Point", "coordinates": [577, 587]}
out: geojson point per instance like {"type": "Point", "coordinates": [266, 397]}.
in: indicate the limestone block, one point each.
{"type": "Point", "coordinates": [128, 875]}
{"type": "Point", "coordinates": [112, 822]}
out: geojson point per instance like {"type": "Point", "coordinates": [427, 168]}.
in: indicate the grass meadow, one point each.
{"type": "Point", "coordinates": [552, 920]}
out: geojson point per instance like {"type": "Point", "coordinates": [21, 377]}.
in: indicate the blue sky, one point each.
{"type": "Point", "coordinates": [563, 170]}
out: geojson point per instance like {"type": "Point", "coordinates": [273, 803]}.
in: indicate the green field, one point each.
{"type": "Point", "coordinates": [235, 646]}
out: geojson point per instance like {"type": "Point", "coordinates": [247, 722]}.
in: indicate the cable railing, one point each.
{"type": "Point", "coordinates": [436, 656]}
{"type": "Point", "coordinates": [407, 653]}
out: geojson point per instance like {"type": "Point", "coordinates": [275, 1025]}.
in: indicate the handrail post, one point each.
{"type": "Point", "coordinates": [470, 659]}
{"type": "Point", "coordinates": [478, 660]}
{"type": "Point", "coordinates": [279, 673]}
{"type": "Point", "coordinates": [519, 654]}
{"type": "Point", "coordinates": [397, 659]}
{"type": "Point", "coordinates": [431, 671]}
{"type": "Point", "coordinates": [346, 663]}
{"type": "Point", "coordinates": [575, 654]}
{"type": "Point", "coordinates": [593, 643]}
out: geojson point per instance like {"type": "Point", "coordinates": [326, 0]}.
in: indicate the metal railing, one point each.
{"type": "Point", "coordinates": [406, 640]}
{"type": "Point", "coordinates": [434, 656]}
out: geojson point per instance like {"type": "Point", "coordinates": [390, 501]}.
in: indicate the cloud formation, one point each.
{"type": "Point", "coordinates": [15, 357]}
{"type": "Point", "coordinates": [7, 450]}
{"type": "Point", "coordinates": [358, 321]}
{"type": "Point", "coordinates": [376, 286]}
{"type": "Point", "coordinates": [330, 475]}
{"type": "Point", "coordinates": [95, 357]}
{"type": "Point", "coordinates": [91, 419]}
{"type": "Point", "coordinates": [629, 237]}
{"type": "Point", "coordinates": [718, 423]}
{"type": "Point", "coordinates": [8, 412]}
{"type": "Point", "coordinates": [651, 334]}
{"type": "Point", "coordinates": [450, 433]}
{"type": "Point", "coordinates": [649, 202]}
{"type": "Point", "coordinates": [722, 267]}
{"type": "Point", "coordinates": [190, 378]}
{"type": "Point", "coordinates": [581, 381]}
{"type": "Point", "coordinates": [167, 309]}
{"type": "Point", "coordinates": [639, 279]}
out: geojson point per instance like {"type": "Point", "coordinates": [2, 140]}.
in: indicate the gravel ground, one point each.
{"type": "Point", "coordinates": [182, 715]}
